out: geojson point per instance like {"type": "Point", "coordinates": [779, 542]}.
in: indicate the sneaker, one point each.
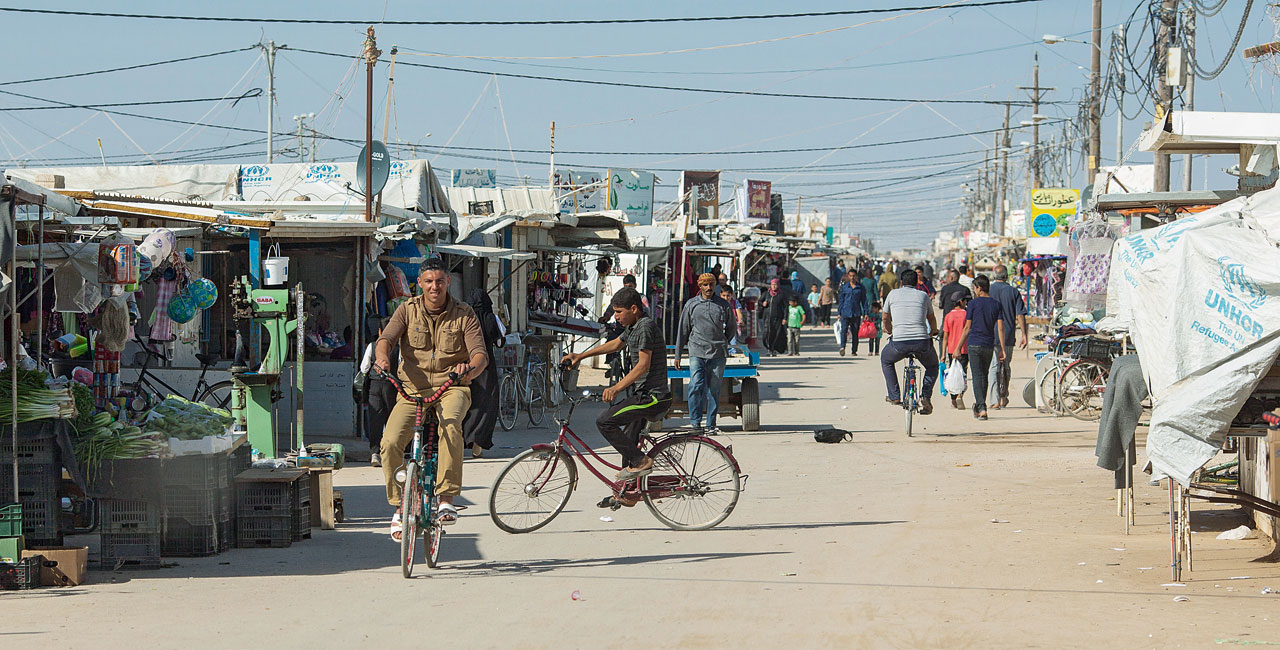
{"type": "Point", "coordinates": [842, 352]}
{"type": "Point", "coordinates": [375, 459]}
{"type": "Point", "coordinates": [711, 431]}
{"type": "Point", "coordinates": [477, 451]}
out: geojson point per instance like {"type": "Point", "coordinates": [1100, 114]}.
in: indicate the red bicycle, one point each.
{"type": "Point", "coordinates": [694, 485]}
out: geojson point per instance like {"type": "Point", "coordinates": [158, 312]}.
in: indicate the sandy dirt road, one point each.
{"type": "Point", "coordinates": [882, 542]}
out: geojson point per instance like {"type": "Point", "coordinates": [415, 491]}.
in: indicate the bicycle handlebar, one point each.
{"type": "Point", "coordinates": [1272, 420]}
{"type": "Point", "coordinates": [399, 386]}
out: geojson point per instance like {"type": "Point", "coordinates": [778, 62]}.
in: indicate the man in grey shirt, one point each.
{"type": "Point", "coordinates": [707, 325]}
{"type": "Point", "coordinates": [1013, 311]}
{"type": "Point", "coordinates": [910, 323]}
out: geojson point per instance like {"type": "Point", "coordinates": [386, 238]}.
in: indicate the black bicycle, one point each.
{"type": "Point", "coordinates": [148, 387]}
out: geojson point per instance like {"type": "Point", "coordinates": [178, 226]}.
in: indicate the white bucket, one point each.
{"type": "Point", "coordinates": [275, 269]}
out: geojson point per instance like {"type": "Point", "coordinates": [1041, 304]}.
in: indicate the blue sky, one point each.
{"type": "Point", "coordinates": [928, 55]}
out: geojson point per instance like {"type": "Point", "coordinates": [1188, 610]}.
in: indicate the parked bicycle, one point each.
{"type": "Point", "coordinates": [694, 485]}
{"type": "Point", "coordinates": [418, 505]}
{"type": "Point", "coordinates": [146, 390]}
{"type": "Point", "coordinates": [1077, 379]}
{"type": "Point", "coordinates": [523, 388]}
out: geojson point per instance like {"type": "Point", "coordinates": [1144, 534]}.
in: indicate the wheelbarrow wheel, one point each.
{"type": "Point", "coordinates": [750, 404]}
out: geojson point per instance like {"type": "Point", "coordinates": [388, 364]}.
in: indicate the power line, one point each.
{"type": "Point", "coordinates": [129, 67]}
{"type": "Point", "coordinates": [712, 91]}
{"type": "Point", "coordinates": [255, 92]}
{"type": "Point", "coordinates": [502, 23]}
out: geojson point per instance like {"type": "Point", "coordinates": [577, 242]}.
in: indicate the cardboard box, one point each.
{"type": "Point", "coordinates": [71, 568]}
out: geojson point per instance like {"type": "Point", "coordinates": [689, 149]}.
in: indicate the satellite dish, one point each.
{"type": "Point", "coordinates": [381, 169]}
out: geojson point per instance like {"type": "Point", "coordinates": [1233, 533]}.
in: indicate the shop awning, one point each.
{"type": "Point", "coordinates": [177, 212]}
{"type": "Point", "coordinates": [488, 252]}
{"type": "Point", "coordinates": [317, 229]}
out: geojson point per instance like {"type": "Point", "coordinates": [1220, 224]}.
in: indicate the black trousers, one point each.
{"type": "Point", "coordinates": [979, 370]}
{"type": "Point", "coordinates": [625, 418]}
{"type": "Point", "coordinates": [824, 314]}
{"type": "Point", "coordinates": [382, 398]}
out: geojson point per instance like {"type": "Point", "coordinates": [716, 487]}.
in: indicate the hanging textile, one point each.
{"type": "Point", "coordinates": [1088, 264]}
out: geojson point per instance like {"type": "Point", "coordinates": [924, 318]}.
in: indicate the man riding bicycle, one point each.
{"type": "Point", "coordinates": [437, 335]}
{"type": "Point", "coordinates": [624, 419]}
{"type": "Point", "coordinates": [910, 323]}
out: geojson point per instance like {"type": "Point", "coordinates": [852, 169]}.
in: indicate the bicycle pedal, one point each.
{"type": "Point", "coordinates": [607, 502]}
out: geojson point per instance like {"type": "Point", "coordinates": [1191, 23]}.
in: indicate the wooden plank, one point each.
{"type": "Point", "coordinates": [270, 475]}
{"type": "Point", "coordinates": [1259, 51]}
{"type": "Point", "coordinates": [322, 511]}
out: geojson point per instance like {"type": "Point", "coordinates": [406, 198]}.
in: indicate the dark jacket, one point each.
{"type": "Point", "coordinates": [851, 300]}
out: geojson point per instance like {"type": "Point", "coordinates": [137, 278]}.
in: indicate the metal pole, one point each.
{"type": "Point", "coordinates": [1164, 92]}
{"type": "Point", "coordinates": [371, 58]}
{"type": "Point", "coordinates": [551, 175]}
{"type": "Point", "coordinates": [40, 276]}
{"type": "Point", "coordinates": [271, 99]}
{"type": "Point", "coordinates": [1189, 24]}
{"type": "Point", "coordinates": [1120, 101]}
{"type": "Point", "coordinates": [13, 342]}
{"type": "Point", "coordinates": [300, 342]}
{"type": "Point", "coordinates": [1095, 94]}
{"type": "Point", "coordinates": [1035, 126]}
{"type": "Point", "coordinates": [1004, 170]}
{"type": "Point", "coordinates": [1173, 536]}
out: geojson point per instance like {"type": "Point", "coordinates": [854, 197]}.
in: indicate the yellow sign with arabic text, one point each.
{"type": "Point", "coordinates": [1051, 208]}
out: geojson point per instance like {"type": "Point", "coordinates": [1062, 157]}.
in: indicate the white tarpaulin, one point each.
{"type": "Point", "coordinates": [1202, 295]}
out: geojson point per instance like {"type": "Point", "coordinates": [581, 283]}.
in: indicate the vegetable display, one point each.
{"type": "Point", "coordinates": [36, 401]}
{"type": "Point", "coordinates": [186, 420]}
{"type": "Point", "coordinates": [107, 439]}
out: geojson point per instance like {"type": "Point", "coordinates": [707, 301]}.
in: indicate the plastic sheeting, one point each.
{"type": "Point", "coordinates": [1202, 295]}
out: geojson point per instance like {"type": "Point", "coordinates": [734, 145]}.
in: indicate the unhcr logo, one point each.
{"type": "Point", "coordinates": [399, 168]}
{"type": "Point", "coordinates": [322, 173]}
{"type": "Point", "coordinates": [1239, 284]}
{"type": "Point", "coordinates": [255, 175]}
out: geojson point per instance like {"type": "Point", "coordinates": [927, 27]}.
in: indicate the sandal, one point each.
{"type": "Point", "coordinates": [446, 514]}
{"type": "Point", "coordinates": [629, 473]}
{"type": "Point", "coordinates": [396, 527]}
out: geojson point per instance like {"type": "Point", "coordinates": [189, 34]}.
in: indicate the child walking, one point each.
{"type": "Point", "coordinates": [815, 298]}
{"type": "Point", "coordinates": [956, 350]}
{"type": "Point", "coordinates": [795, 320]}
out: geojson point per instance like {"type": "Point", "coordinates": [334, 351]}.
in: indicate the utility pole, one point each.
{"type": "Point", "coordinates": [1036, 89]}
{"type": "Point", "coordinates": [271, 49]}
{"type": "Point", "coordinates": [371, 54]}
{"type": "Point", "coordinates": [1119, 95]}
{"type": "Point", "coordinates": [1095, 95]}
{"type": "Point", "coordinates": [1164, 92]}
{"type": "Point", "coordinates": [1004, 169]}
{"type": "Point", "coordinates": [551, 175]}
{"type": "Point", "coordinates": [1189, 97]}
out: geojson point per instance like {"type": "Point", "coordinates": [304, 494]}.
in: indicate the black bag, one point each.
{"type": "Point", "coordinates": [832, 436]}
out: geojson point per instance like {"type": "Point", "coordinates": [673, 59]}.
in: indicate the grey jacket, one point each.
{"type": "Point", "coordinates": [706, 327]}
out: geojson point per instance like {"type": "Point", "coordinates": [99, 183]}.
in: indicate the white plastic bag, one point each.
{"type": "Point", "coordinates": [955, 381]}
{"type": "Point", "coordinates": [839, 325]}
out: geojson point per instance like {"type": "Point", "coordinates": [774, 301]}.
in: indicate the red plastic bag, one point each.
{"type": "Point", "coordinates": [867, 330]}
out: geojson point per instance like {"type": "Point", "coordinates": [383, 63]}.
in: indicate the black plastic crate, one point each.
{"type": "Point", "coordinates": [271, 498]}
{"type": "Point", "coordinates": [128, 516]}
{"type": "Point", "coordinates": [227, 534]}
{"type": "Point", "coordinates": [265, 532]}
{"type": "Point", "coordinates": [183, 539]}
{"type": "Point", "coordinates": [38, 494]}
{"type": "Point", "coordinates": [129, 551]}
{"type": "Point", "coordinates": [23, 574]}
{"type": "Point", "coordinates": [125, 478]}
{"type": "Point", "coordinates": [238, 460]}
{"type": "Point", "coordinates": [31, 451]}
{"type": "Point", "coordinates": [196, 471]}
{"type": "Point", "coordinates": [302, 523]}
{"type": "Point", "coordinates": [197, 505]}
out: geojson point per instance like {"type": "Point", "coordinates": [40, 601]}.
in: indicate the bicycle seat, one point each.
{"type": "Point", "coordinates": [207, 359]}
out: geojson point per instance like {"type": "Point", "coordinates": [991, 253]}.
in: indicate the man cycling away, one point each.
{"type": "Point", "coordinates": [910, 323]}
{"type": "Point", "coordinates": [624, 419]}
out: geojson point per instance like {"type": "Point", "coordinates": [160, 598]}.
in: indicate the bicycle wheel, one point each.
{"type": "Point", "coordinates": [908, 398]}
{"type": "Point", "coordinates": [217, 395]}
{"type": "Point", "coordinates": [1081, 388]}
{"type": "Point", "coordinates": [694, 485]}
{"type": "Point", "coordinates": [434, 533]}
{"type": "Point", "coordinates": [410, 510]}
{"type": "Point", "coordinates": [537, 396]}
{"type": "Point", "coordinates": [531, 490]}
{"type": "Point", "coordinates": [1049, 390]}
{"type": "Point", "coordinates": [508, 402]}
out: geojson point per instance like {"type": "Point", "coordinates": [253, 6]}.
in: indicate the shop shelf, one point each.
{"type": "Point", "coordinates": [129, 551]}
{"type": "Point", "coordinates": [117, 516]}
{"type": "Point", "coordinates": [23, 574]}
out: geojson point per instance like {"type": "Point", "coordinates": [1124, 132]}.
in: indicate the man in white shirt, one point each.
{"type": "Point", "coordinates": [910, 323]}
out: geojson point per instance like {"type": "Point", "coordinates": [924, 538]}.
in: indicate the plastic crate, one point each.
{"type": "Point", "coordinates": [238, 460]}
{"type": "Point", "coordinates": [227, 536]}
{"type": "Point", "coordinates": [183, 539]}
{"type": "Point", "coordinates": [272, 498]}
{"type": "Point", "coordinates": [23, 574]}
{"type": "Point", "coordinates": [301, 523]}
{"type": "Point", "coordinates": [128, 516]}
{"type": "Point", "coordinates": [196, 471]}
{"type": "Point", "coordinates": [38, 495]}
{"type": "Point", "coordinates": [126, 478]}
{"type": "Point", "coordinates": [11, 520]}
{"type": "Point", "coordinates": [129, 551]}
{"type": "Point", "coordinates": [197, 505]}
{"type": "Point", "coordinates": [31, 451]}
{"type": "Point", "coordinates": [265, 532]}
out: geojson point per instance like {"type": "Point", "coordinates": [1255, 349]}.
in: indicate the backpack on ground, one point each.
{"type": "Point", "coordinates": [832, 436]}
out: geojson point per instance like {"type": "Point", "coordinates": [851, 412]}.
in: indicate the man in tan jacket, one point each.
{"type": "Point", "coordinates": [437, 335]}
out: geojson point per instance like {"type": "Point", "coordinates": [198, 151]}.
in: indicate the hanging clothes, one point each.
{"type": "Point", "coordinates": [1088, 264]}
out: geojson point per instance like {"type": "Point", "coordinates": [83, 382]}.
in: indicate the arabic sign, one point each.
{"type": "Point", "coordinates": [573, 197]}
{"type": "Point", "coordinates": [703, 189]}
{"type": "Point", "coordinates": [1051, 208]}
{"type": "Point", "coordinates": [475, 178]}
{"type": "Point", "coordinates": [758, 202]}
{"type": "Point", "coordinates": [631, 191]}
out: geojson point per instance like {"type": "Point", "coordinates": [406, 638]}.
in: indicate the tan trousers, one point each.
{"type": "Point", "coordinates": [450, 410]}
